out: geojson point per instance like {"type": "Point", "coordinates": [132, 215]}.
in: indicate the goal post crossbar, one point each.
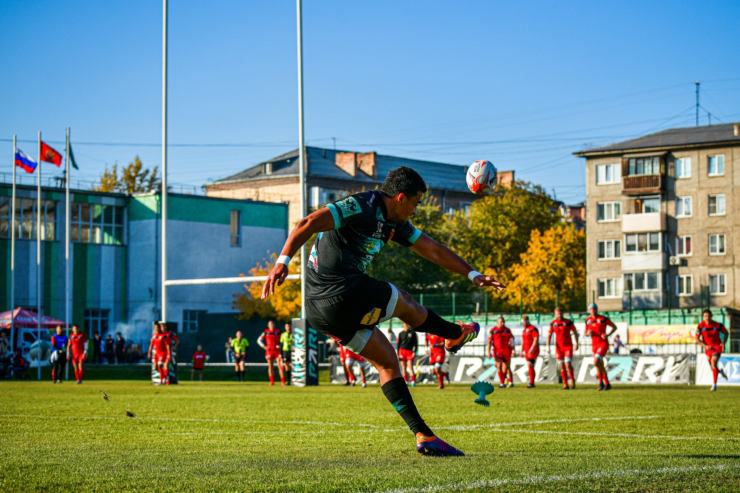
{"type": "Point", "coordinates": [223, 280]}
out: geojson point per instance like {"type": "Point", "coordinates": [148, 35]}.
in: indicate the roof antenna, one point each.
{"type": "Point", "coordinates": [335, 142]}
{"type": "Point", "coordinates": [697, 102]}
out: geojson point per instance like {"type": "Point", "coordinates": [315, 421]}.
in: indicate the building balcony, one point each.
{"type": "Point", "coordinates": [639, 223]}
{"type": "Point", "coordinates": [644, 261]}
{"type": "Point", "coordinates": [643, 184]}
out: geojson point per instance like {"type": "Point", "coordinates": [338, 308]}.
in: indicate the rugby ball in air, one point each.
{"type": "Point", "coordinates": [481, 177]}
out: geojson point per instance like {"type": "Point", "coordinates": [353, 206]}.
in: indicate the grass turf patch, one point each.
{"type": "Point", "coordinates": [252, 437]}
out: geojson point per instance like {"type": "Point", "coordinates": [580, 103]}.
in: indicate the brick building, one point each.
{"type": "Point", "coordinates": [330, 174]}
{"type": "Point", "coordinates": [663, 218]}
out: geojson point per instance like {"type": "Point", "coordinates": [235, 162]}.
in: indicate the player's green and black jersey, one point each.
{"type": "Point", "coordinates": [339, 258]}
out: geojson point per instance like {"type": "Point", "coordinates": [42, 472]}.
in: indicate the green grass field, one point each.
{"type": "Point", "coordinates": [221, 436]}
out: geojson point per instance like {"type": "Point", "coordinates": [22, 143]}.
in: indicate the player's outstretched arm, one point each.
{"type": "Point", "coordinates": [318, 222]}
{"type": "Point", "coordinates": [446, 258]}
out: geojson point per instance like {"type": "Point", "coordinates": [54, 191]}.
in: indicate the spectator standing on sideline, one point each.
{"type": "Point", "coordinates": [240, 347]}
{"type": "Point", "coordinates": [97, 343]}
{"type": "Point", "coordinates": [229, 352]}
{"type": "Point", "coordinates": [120, 349]}
{"type": "Point", "coordinates": [199, 361]}
{"type": "Point", "coordinates": [617, 344]}
{"type": "Point", "coordinates": [108, 351]}
{"type": "Point", "coordinates": [4, 346]}
{"type": "Point", "coordinates": [286, 346]}
{"type": "Point", "coordinates": [393, 339]}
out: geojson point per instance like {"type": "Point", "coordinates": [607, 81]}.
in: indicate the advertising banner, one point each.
{"type": "Point", "coordinates": [729, 363]}
{"type": "Point", "coordinates": [304, 354]}
{"type": "Point", "coordinates": [634, 369]}
{"type": "Point", "coordinates": [662, 334]}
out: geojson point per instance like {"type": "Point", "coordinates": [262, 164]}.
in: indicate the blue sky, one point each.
{"type": "Point", "coordinates": [523, 84]}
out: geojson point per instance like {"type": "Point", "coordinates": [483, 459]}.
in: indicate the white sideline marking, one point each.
{"type": "Point", "coordinates": [624, 435]}
{"type": "Point", "coordinates": [572, 477]}
{"type": "Point", "coordinates": [544, 421]}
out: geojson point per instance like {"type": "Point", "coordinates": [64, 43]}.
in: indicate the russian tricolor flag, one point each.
{"type": "Point", "coordinates": [25, 162]}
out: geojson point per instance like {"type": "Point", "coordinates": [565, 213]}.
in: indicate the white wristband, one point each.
{"type": "Point", "coordinates": [283, 259]}
{"type": "Point", "coordinates": [473, 274]}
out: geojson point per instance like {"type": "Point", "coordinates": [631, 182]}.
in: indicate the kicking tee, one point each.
{"type": "Point", "coordinates": [340, 257]}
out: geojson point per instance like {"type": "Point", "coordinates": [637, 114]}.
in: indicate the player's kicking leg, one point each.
{"type": "Point", "coordinates": [379, 351]}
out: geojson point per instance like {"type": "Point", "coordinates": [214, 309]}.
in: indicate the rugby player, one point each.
{"type": "Point", "coordinates": [77, 352]}
{"type": "Point", "coordinates": [348, 376]}
{"type": "Point", "coordinates": [342, 300]}
{"type": "Point", "coordinates": [59, 344]}
{"type": "Point", "coordinates": [239, 346]}
{"type": "Point", "coordinates": [349, 363]}
{"type": "Point", "coordinates": [162, 354]}
{"type": "Point", "coordinates": [500, 345]}
{"type": "Point", "coordinates": [408, 344]}
{"type": "Point", "coordinates": [710, 335]}
{"type": "Point", "coordinates": [562, 328]}
{"type": "Point", "coordinates": [286, 346]}
{"type": "Point", "coordinates": [198, 361]}
{"type": "Point", "coordinates": [596, 328]}
{"type": "Point", "coordinates": [530, 347]}
{"type": "Point", "coordinates": [436, 349]}
{"type": "Point", "coordinates": [269, 340]}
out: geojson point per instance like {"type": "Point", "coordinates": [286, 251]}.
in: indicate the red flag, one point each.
{"type": "Point", "coordinates": [49, 155]}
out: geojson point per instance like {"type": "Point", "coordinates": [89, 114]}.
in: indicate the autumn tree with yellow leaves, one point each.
{"type": "Point", "coordinates": [283, 306]}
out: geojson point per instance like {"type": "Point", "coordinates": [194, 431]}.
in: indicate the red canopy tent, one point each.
{"type": "Point", "coordinates": [26, 319]}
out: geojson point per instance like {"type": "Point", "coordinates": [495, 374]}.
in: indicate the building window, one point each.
{"type": "Point", "coordinates": [717, 244]}
{"type": "Point", "coordinates": [683, 207]}
{"type": "Point", "coordinates": [718, 284]}
{"type": "Point", "coordinates": [94, 223]}
{"type": "Point", "coordinates": [190, 320]}
{"type": "Point", "coordinates": [319, 197]}
{"type": "Point", "coordinates": [609, 249]}
{"type": "Point", "coordinates": [235, 228]}
{"type": "Point", "coordinates": [717, 205]}
{"type": "Point", "coordinates": [641, 281]}
{"type": "Point", "coordinates": [608, 211]}
{"type": "Point", "coordinates": [25, 219]}
{"type": "Point", "coordinates": [465, 207]}
{"type": "Point", "coordinates": [644, 166]}
{"type": "Point", "coordinates": [683, 246]}
{"type": "Point", "coordinates": [607, 173]}
{"type": "Point", "coordinates": [642, 242]}
{"type": "Point", "coordinates": [96, 321]}
{"type": "Point", "coordinates": [610, 288]}
{"type": "Point", "coordinates": [683, 167]}
{"type": "Point", "coordinates": [716, 165]}
{"type": "Point", "coordinates": [685, 285]}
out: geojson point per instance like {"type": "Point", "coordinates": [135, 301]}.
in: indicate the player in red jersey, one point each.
{"type": "Point", "coordinates": [408, 345]}
{"type": "Point", "coordinates": [160, 353]}
{"type": "Point", "coordinates": [562, 328]}
{"type": "Point", "coordinates": [349, 363]}
{"type": "Point", "coordinates": [269, 340]}
{"type": "Point", "coordinates": [199, 362]}
{"type": "Point", "coordinates": [348, 377]}
{"type": "Point", "coordinates": [530, 347]}
{"type": "Point", "coordinates": [710, 335]}
{"type": "Point", "coordinates": [436, 349]}
{"type": "Point", "coordinates": [500, 345]}
{"type": "Point", "coordinates": [596, 328]}
{"type": "Point", "coordinates": [77, 352]}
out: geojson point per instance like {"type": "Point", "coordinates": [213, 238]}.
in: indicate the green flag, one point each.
{"type": "Point", "coordinates": [72, 157]}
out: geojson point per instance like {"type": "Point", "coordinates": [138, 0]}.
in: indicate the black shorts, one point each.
{"type": "Point", "coordinates": [240, 358]}
{"type": "Point", "coordinates": [362, 307]}
{"type": "Point", "coordinates": [286, 356]}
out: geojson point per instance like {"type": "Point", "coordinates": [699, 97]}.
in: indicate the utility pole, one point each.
{"type": "Point", "coordinates": [697, 102]}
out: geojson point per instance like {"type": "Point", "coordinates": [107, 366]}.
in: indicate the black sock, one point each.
{"type": "Point", "coordinates": [241, 376]}
{"type": "Point", "coordinates": [434, 324]}
{"type": "Point", "coordinates": [399, 396]}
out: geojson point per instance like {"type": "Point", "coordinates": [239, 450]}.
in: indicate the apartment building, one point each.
{"type": "Point", "coordinates": [662, 222]}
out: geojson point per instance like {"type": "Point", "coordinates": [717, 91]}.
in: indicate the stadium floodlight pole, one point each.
{"type": "Point", "coordinates": [12, 254]}
{"type": "Point", "coordinates": [164, 161]}
{"type": "Point", "coordinates": [38, 264]}
{"type": "Point", "coordinates": [301, 154]}
{"type": "Point", "coordinates": [68, 209]}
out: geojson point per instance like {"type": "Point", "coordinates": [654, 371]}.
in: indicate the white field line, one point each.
{"type": "Point", "coordinates": [620, 435]}
{"type": "Point", "coordinates": [545, 421]}
{"type": "Point", "coordinates": [558, 478]}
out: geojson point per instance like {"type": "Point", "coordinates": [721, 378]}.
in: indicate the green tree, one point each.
{"type": "Point", "coordinates": [134, 179]}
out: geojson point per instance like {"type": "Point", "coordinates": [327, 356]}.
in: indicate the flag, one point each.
{"type": "Point", "coordinates": [72, 157]}
{"type": "Point", "coordinates": [25, 162]}
{"type": "Point", "coordinates": [49, 155]}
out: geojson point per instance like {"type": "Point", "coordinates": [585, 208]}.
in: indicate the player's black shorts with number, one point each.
{"type": "Point", "coordinates": [362, 307]}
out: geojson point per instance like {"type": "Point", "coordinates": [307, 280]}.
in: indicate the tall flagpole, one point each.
{"type": "Point", "coordinates": [12, 255]}
{"type": "Point", "coordinates": [67, 315]}
{"type": "Point", "coordinates": [301, 154]}
{"type": "Point", "coordinates": [38, 263]}
{"type": "Point", "coordinates": [164, 161]}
